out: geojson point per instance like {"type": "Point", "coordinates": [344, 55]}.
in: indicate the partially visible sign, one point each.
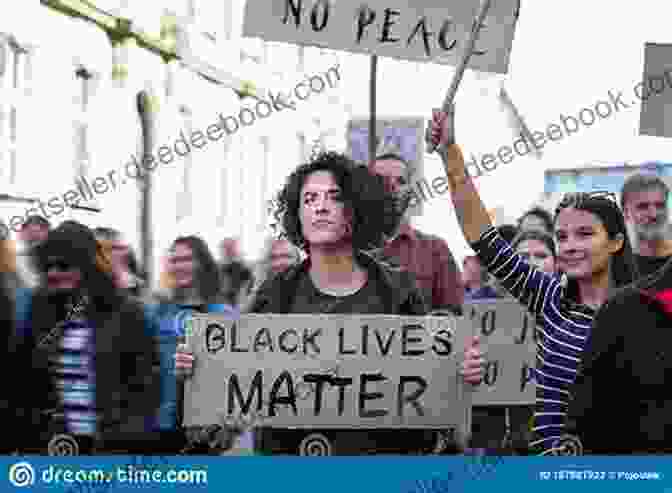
{"type": "Point", "coordinates": [328, 371]}
{"type": "Point", "coordinates": [508, 338]}
{"type": "Point", "coordinates": [655, 91]}
{"type": "Point", "coordinates": [403, 136]}
{"type": "Point", "coordinates": [422, 30]}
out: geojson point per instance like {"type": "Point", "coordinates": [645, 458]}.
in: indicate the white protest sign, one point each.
{"type": "Point", "coordinates": [655, 91]}
{"type": "Point", "coordinates": [421, 30]}
{"type": "Point", "coordinates": [508, 339]}
{"type": "Point", "coordinates": [328, 371]}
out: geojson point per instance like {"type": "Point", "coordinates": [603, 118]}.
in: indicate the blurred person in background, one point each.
{"type": "Point", "coordinates": [426, 256]}
{"type": "Point", "coordinates": [537, 248]}
{"type": "Point", "coordinates": [190, 284]}
{"type": "Point", "coordinates": [536, 219]}
{"type": "Point", "coordinates": [32, 232]}
{"type": "Point", "coordinates": [127, 275]}
{"type": "Point", "coordinates": [236, 275]}
{"type": "Point", "coordinates": [84, 350]}
{"type": "Point", "coordinates": [644, 204]}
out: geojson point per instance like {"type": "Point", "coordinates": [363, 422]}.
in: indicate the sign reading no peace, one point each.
{"type": "Point", "coordinates": [417, 30]}
{"type": "Point", "coordinates": [331, 371]}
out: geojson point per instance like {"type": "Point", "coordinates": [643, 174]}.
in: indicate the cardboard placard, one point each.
{"type": "Point", "coordinates": [328, 371]}
{"type": "Point", "coordinates": [655, 91]}
{"type": "Point", "coordinates": [422, 30]}
{"type": "Point", "coordinates": [508, 339]}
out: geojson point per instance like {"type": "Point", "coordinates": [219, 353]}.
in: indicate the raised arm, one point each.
{"type": "Point", "coordinates": [529, 285]}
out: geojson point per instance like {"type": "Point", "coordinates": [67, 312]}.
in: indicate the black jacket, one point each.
{"type": "Point", "coordinates": [127, 379]}
{"type": "Point", "coordinates": [623, 394]}
{"type": "Point", "coordinates": [401, 296]}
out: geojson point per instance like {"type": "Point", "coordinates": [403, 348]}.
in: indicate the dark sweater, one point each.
{"type": "Point", "coordinates": [623, 394]}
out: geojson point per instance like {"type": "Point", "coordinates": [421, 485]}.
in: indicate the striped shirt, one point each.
{"type": "Point", "coordinates": [75, 377]}
{"type": "Point", "coordinates": [563, 328]}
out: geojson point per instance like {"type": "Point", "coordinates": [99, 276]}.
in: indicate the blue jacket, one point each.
{"type": "Point", "coordinates": [169, 319]}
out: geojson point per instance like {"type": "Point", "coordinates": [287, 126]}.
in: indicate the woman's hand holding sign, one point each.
{"type": "Point", "coordinates": [472, 369]}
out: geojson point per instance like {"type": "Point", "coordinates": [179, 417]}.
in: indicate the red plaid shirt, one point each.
{"type": "Point", "coordinates": [429, 258]}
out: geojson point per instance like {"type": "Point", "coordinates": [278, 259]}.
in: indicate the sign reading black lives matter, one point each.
{"type": "Point", "coordinates": [328, 371]}
{"type": "Point", "coordinates": [508, 339]}
{"type": "Point", "coordinates": [418, 30]}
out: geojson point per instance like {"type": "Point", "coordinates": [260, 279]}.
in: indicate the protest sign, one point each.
{"type": "Point", "coordinates": [328, 371]}
{"type": "Point", "coordinates": [402, 136]}
{"type": "Point", "coordinates": [655, 91]}
{"type": "Point", "coordinates": [425, 30]}
{"type": "Point", "coordinates": [508, 337]}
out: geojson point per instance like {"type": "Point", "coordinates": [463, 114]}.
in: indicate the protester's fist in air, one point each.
{"type": "Point", "coordinates": [473, 366]}
{"type": "Point", "coordinates": [441, 136]}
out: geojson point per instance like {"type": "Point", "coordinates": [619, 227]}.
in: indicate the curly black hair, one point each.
{"type": "Point", "coordinates": [373, 210]}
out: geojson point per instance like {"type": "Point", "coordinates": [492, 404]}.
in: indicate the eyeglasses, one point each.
{"type": "Point", "coordinates": [575, 198]}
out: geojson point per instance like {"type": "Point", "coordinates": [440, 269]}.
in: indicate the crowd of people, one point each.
{"type": "Point", "coordinates": [99, 354]}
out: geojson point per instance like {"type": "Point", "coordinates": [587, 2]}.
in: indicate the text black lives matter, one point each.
{"type": "Point", "coordinates": [136, 167]}
{"type": "Point", "coordinates": [368, 342]}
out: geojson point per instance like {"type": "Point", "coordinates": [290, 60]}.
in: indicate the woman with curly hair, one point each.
{"type": "Point", "coordinates": [336, 211]}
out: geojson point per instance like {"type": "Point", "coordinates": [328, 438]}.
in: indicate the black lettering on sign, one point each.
{"type": "Point", "coordinates": [263, 339]}
{"type": "Point", "coordinates": [365, 340]}
{"type": "Point", "coordinates": [442, 338]}
{"type": "Point", "coordinates": [309, 338]}
{"type": "Point", "coordinates": [341, 343]}
{"type": "Point", "coordinates": [387, 24]}
{"type": "Point", "coordinates": [296, 9]}
{"type": "Point", "coordinates": [319, 379]}
{"type": "Point", "coordinates": [412, 398]}
{"type": "Point", "coordinates": [525, 376]}
{"type": "Point", "coordinates": [365, 18]}
{"type": "Point", "coordinates": [491, 373]}
{"type": "Point", "coordinates": [488, 322]}
{"type": "Point", "coordinates": [341, 383]}
{"type": "Point", "coordinates": [234, 341]}
{"type": "Point", "coordinates": [385, 346]}
{"type": "Point", "coordinates": [426, 35]}
{"type": "Point", "coordinates": [370, 396]}
{"type": "Point", "coordinates": [524, 331]}
{"type": "Point", "coordinates": [215, 340]}
{"type": "Point", "coordinates": [406, 340]}
{"type": "Point", "coordinates": [283, 339]}
{"type": "Point", "coordinates": [442, 36]}
{"type": "Point", "coordinates": [317, 27]}
{"type": "Point", "coordinates": [287, 400]}
{"type": "Point", "coordinates": [256, 388]}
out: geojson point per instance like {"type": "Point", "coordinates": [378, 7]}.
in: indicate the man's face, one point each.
{"type": "Point", "coordinates": [647, 212]}
{"type": "Point", "coordinates": [120, 254]}
{"type": "Point", "coordinates": [322, 213]}
{"type": "Point", "coordinates": [396, 177]}
{"type": "Point", "coordinates": [34, 233]}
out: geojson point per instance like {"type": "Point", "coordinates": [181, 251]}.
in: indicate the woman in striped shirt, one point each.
{"type": "Point", "coordinates": [594, 253]}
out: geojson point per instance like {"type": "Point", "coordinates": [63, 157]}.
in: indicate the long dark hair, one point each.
{"type": "Point", "coordinates": [206, 273]}
{"type": "Point", "coordinates": [605, 206]}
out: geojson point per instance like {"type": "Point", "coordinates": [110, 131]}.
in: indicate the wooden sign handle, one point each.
{"type": "Point", "coordinates": [464, 61]}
